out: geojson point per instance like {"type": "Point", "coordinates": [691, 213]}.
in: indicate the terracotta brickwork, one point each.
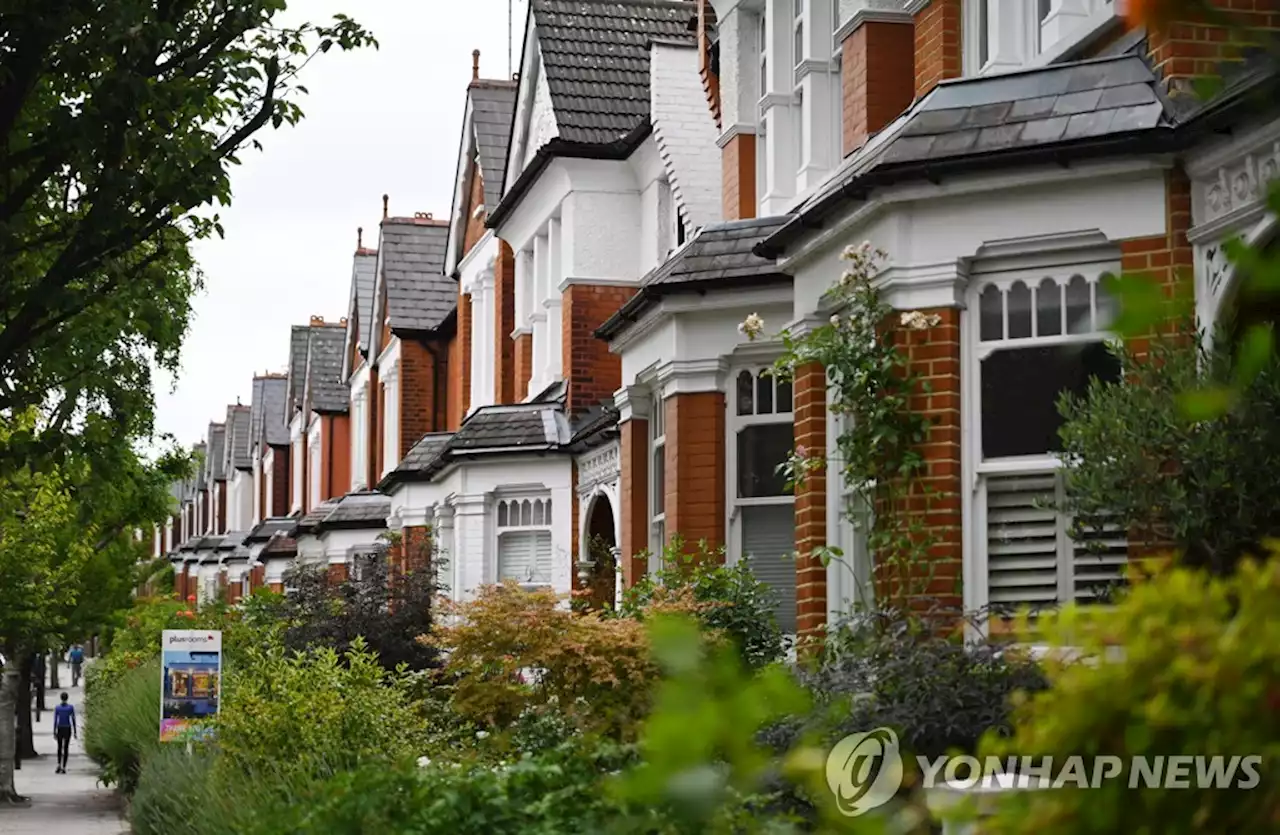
{"type": "Point", "coordinates": [422, 392]}
{"type": "Point", "coordinates": [1167, 258]}
{"type": "Point", "coordinates": [523, 355]}
{"type": "Point", "coordinates": [337, 573]}
{"type": "Point", "coordinates": [591, 370]}
{"type": "Point", "coordinates": [232, 591]}
{"type": "Point", "coordinates": [459, 400]}
{"type": "Point", "coordinates": [934, 355]}
{"type": "Point", "coordinates": [335, 455]}
{"type": "Point", "coordinates": [695, 467]}
{"type": "Point", "coordinates": [278, 588]}
{"type": "Point", "coordinates": [504, 304]}
{"type": "Point", "coordinates": [876, 79]}
{"type": "Point", "coordinates": [280, 478]}
{"type": "Point", "coordinates": [180, 582]}
{"type": "Point", "coordinates": [937, 44]}
{"type": "Point", "coordinates": [635, 498]}
{"type": "Point", "coordinates": [738, 177]}
{"type": "Point", "coordinates": [413, 551]}
{"type": "Point", "coordinates": [257, 577]}
{"type": "Point", "coordinates": [1183, 50]}
{"type": "Point", "coordinates": [810, 404]}
{"type": "Point", "coordinates": [710, 81]}
{"type": "Point", "coordinates": [475, 228]}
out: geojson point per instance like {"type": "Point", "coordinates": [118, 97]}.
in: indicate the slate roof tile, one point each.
{"type": "Point", "coordinates": [236, 452]}
{"type": "Point", "coordinates": [299, 339]}
{"type": "Point", "coordinates": [364, 272]}
{"type": "Point", "coordinates": [493, 105]}
{"type": "Point", "coordinates": [326, 391]}
{"type": "Point", "coordinates": [419, 295]}
{"type": "Point", "coordinates": [365, 509]}
{"type": "Point", "coordinates": [232, 540]}
{"type": "Point", "coordinates": [268, 527]}
{"type": "Point", "coordinates": [596, 57]}
{"type": "Point", "coordinates": [281, 544]}
{"type": "Point", "coordinates": [216, 451]}
{"type": "Point", "coordinates": [273, 426]}
{"type": "Point", "coordinates": [310, 520]}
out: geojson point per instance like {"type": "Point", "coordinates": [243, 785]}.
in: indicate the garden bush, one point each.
{"type": "Point", "coordinates": [1203, 488]}
{"type": "Point", "coordinates": [512, 652]}
{"type": "Point", "coordinates": [728, 599]}
{"type": "Point", "coordinates": [1197, 673]}
{"type": "Point", "coordinates": [122, 723]}
{"type": "Point", "coordinates": [316, 712]}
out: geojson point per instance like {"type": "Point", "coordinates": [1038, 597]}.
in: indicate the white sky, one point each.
{"type": "Point", "coordinates": [385, 121]}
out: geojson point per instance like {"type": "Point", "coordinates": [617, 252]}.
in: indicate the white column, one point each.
{"type": "Point", "coordinates": [472, 558]}
{"type": "Point", "coordinates": [778, 109]}
{"type": "Point", "coordinates": [442, 534]}
{"type": "Point", "coordinates": [1064, 16]}
{"type": "Point", "coordinates": [739, 73]}
{"type": "Point", "coordinates": [1007, 24]}
{"type": "Point", "coordinates": [562, 500]}
{"type": "Point", "coordinates": [818, 153]}
{"type": "Point", "coordinates": [555, 280]}
{"type": "Point", "coordinates": [541, 344]}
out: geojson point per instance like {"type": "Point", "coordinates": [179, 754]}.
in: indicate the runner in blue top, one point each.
{"type": "Point", "coordinates": [64, 727]}
{"type": "Point", "coordinates": [77, 658]}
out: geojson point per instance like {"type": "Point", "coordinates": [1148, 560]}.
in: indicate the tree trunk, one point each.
{"type": "Point", "coordinates": [55, 658]}
{"type": "Point", "coordinates": [26, 733]}
{"type": "Point", "coordinates": [37, 675]}
{"type": "Point", "coordinates": [8, 707]}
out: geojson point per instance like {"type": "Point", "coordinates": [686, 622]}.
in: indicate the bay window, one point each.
{"type": "Point", "coordinates": [524, 541]}
{"type": "Point", "coordinates": [1037, 336]}
{"type": "Point", "coordinates": [1004, 35]}
{"type": "Point", "coordinates": [762, 518]}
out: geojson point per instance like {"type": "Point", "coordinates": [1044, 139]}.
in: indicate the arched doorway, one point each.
{"type": "Point", "coordinates": [599, 546]}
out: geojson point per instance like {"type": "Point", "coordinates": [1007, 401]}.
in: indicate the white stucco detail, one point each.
{"type": "Point", "coordinates": [542, 119]}
{"type": "Point", "coordinates": [737, 26]}
{"type": "Point", "coordinates": [685, 133]}
{"type": "Point", "coordinates": [599, 479]}
{"type": "Point", "coordinates": [339, 545]}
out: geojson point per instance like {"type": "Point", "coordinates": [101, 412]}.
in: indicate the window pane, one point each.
{"type": "Point", "coordinates": [991, 314]}
{"type": "Point", "coordinates": [798, 46]}
{"type": "Point", "coordinates": [764, 395]}
{"type": "Point", "coordinates": [502, 514]}
{"type": "Point", "coordinates": [768, 542]}
{"type": "Point", "coordinates": [1020, 391]}
{"type": "Point", "coordinates": [1019, 311]}
{"type": "Point", "coordinates": [784, 396]}
{"type": "Point", "coordinates": [746, 391]}
{"type": "Point", "coordinates": [1079, 316]}
{"type": "Point", "coordinates": [537, 513]}
{"type": "Point", "coordinates": [659, 482]}
{"type": "Point", "coordinates": [526, 513]}
{"type": "Point", "coordinates": [761, 449]}
{"type": "Point", "coordinates": [1049, 308]}
{"type": "Point", "coordinates": [983, 33]}
{"type": "Point", "coordinates": [1108, 305]}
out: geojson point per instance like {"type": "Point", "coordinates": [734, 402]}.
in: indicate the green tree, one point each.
{"type": "Point", "coordinates": [119, 124]}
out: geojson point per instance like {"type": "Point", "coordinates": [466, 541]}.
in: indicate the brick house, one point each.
{"type": "Point", "coordinates": [1036, 148]}
{"type": "Point", "coordinates": [269, 447]}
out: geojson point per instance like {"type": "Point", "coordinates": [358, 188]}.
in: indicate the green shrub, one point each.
{"type": "Point", "coordinates": [1197, 672]}
{"type": "Point", "coordinates": [122, 723]}
{"type": "Point", "coordinates": [1203, 487]}
{"type": "Point", "coordinates": [729, 599]}
{"type": "Point", "coordinates": [317, 712]}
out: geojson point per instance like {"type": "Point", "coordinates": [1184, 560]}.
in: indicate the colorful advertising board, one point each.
{"type": "Point", "coordinates": [190, 679]}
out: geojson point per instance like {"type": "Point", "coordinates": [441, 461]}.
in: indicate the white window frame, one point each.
{"type": "Point", "coordinates": [734, 424]}
{"type": "Point", "coordinates": [297, 463]}
{"type": "Point", "coordinates": [360, 436]}
{"type": "Point", "coordinates": [390, 382]}
{"type": "Point", "coordinates": [1028, 41]}
{"type": "Point", "coordinates": [982, 470]}
{"type": "Point", "coordinates": [268, 483]}
{"type": "Point", "coordinates": [503, 524]}
{"type": "Point", "coordinates": [315, 435]}
{"type": "Point", "coordinates": [850, 580]}
{"type": "Point", "coordinates": [657, 450]}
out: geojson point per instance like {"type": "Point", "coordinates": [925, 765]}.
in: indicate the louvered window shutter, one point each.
{"type": "Point", "coordinates": [768, 543]}
{"type": "Point", "coordinates": [1023, 538]}
{"type": "Point", "coordinates": [515, 556]}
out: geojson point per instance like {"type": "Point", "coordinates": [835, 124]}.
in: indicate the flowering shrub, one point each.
{"type": "Point", "coordinates": [512, 651]}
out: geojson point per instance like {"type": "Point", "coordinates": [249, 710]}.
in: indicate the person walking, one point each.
{"type": "Point", "coordinates": [64, 727]}
{"type": "Point", "coordinates": [76, 656]}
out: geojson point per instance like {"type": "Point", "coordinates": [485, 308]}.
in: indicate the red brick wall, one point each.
{"type": "Point", "coordinates": [810, 397]}
{"type": "Point", "coordinates": [337, 573]}
{"type": "Point", "coordinates": [523, 365]}
{"type": "Point", "coordinates": [934, 355]}
{"type": "Point", "coordinates": [281, 476]}
{"type": "Point", "coordinates": [1183, 50]}
{"type": "Point", "coordinates": [257, 577]}
{"type": "Point", "coordinates": [278, 588]}
{"type": "Point", "coordinates": [635, 498]}
{"type": "Point", "coordinates": [422, 398]}
{"type": "Point", "coordinates": [738, 177]}
{"type": "Point", "coordinates": [232, 590]}
{"type": "Point", "coordinates": [504, 295]}
{"type": "Point", "coordinates": [460, 363]}
{"type": "Point", "coordinates": [877, 73]}
{"type": "Point", "coordinates": [475, 228]}
{"type": "Point", "coordinates": [180, 581]}
{"type": "Point", "coordinates": [592, 371]}
{"type": "Point", "coordinates": [937, 44]}
{"type": "Point", "coordinates": [335, 456]}
{"type": "Point", "coordinates": [694, 461]}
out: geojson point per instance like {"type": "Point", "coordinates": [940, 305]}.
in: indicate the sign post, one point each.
{"type": "Point", "coordinates": [190, 679]}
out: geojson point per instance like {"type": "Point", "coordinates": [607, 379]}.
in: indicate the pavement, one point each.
{"type": "Point", "coordinates": [62, 804]}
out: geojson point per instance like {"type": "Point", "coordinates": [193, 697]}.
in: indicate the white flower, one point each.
{"type": "Point", "coordinates": [752, 326]}
{"type": "Point", "coordinates": [835, 321]}
{"type": "Point", "coordinates": [482, 734]}
{"type": "Point", "coordinates": [423, 762]}
{"type": "Point", "coordinates": [918, 321]}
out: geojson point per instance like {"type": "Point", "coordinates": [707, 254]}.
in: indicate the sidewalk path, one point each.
{"type": "Point", "coordinates": [62, 804]}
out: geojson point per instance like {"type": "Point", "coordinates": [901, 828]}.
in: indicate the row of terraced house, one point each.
{"type": "Point", "coordinates": [553, 373]}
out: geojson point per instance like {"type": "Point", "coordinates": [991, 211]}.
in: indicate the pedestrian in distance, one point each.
{"type": "Point", "coordinates": [64, 728]}
{"type": "Point", "coordinates": [76, 657]}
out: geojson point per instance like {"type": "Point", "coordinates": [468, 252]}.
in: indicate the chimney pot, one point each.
{"type": "Point", "coordinates": [385, 198]}
{"type": "Point", "coordinates": [475, 65]}
{"type": "Point", "coordinates": [343, 321]}
{"type": "Point", "coordinates": [317, 320]}
{"type": "Point", "coordinates": [359, 237]}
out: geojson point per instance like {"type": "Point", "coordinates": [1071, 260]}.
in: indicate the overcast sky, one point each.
{"type": "Point", "coordinates": [385, 121]}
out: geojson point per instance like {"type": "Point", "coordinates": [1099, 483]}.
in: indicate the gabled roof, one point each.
{"type": "Point", "coordinates": [364, 280]}
{"type": "Point", "coordinates": [215, 460]}
{"type": "Point", "coordinates": [236, 451]}
{"type": "Point", "coordinates": [493, 105]}
{"type": "Point", "coordinates": [299, 338]}
{"type": "Point", "coordinates": [1094, 108]}
{"type": "Point", "coordinates": [419, 297]}
{"type": "Point", "coordinates": [719, 256]}
{"type": "Point", "coordinates": [270, 419]}
{"type": "Point", "coordinates": [595, 54]}
{"type": "Point", "coordinates": [326, 391]}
